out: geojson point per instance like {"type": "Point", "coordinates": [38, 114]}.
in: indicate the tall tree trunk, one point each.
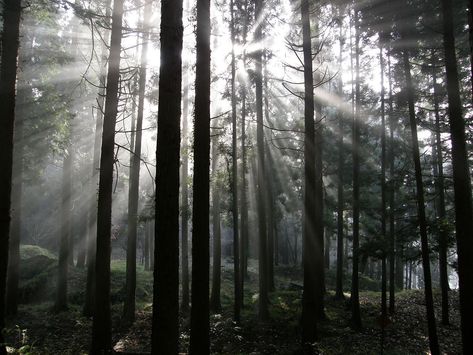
{"type": "Point", "coordinates": [200, 323]}
{"type": "Point", "coordinates": [165, 332]}
{"type": "Point", "coordinates": [433, 339]}
{"type": "Point", "coordinates": [89, 304]}
{"type": "Point", "coordinates": [234, 181]}
{"type": "Point", "coordinates": [269, 190]}
{"type": "Point", "coordinates": [309, 296]}
{"type": "Point", "coordinates": [65, 231]}
{"type": "Point", "coordinates": [384, 309]}
{"type": "Point", "coordinates": [391, 186]}
{"type": "Point", "coordinates": [146, 246]}
{"type": "Point", "coordinates": [440, 192]}
{"type": "Point", "coordinates": [9, 64]}
{"type": "Point", "coordinates": [129, 306]}
{"type": "Point", "coordinates": [244, 240]}
{"type": "Point", "coordinates": [185, 198]}
{"type": "Point", "coordinates": [355, 298]}
{"type": "Point", "coordinates": [470, 30]}
{"type": "Point", "coordinates": [101, 327]}
{"type": "Point", "coordinates": [461, 180]}
{"type": "Point", "coordinates": [263, 312]}
{"type": "Point", "coordinates": [340, 198]}
{"type": "Point", "coordinates": [215, 303]}
{"type": "Point", "coordinates": [16, 221]}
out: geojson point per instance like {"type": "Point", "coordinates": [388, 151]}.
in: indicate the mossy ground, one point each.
{"type": "Point", "coordinates": [45, 332]}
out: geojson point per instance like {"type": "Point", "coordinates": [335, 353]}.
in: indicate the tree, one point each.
{"type": "Point", "coordinates": [422, 221]}
{"type": "Point", "coordinates": [9, 64]}
{"type": "Point", "coordinates": [101, 327]}
{"type": "Point", "coordinates": [129, 306]}
{"type": "Point", "coordinates": [461, 180]}
{"type": "Point", "coordinates": [355, 300]}
{"type": "Point", "coordinates": [263, 313]}
{"type": "Point", "coordinates": [165, 332]}
{"type": "Point", "coordinates": [200, 322]}
{"type": "Point", "coordinates": [309, 297]}
{"type": "Point", "coordinates": [234, 181]}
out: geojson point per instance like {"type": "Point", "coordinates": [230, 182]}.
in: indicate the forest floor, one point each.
{"type": "Point", "coordinates": [37, 330]}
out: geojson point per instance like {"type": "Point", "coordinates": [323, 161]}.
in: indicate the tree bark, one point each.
{"type": "Point", "coordinates": [165, 332]}
{"type": "Point", "coordinates": [263, 313]}
{"type": "Point", "coordinates": [309, 296]}
{"type": "Point", "coordinates": [9, 65]}
{"type": "Point", "coordinates": [101, 327]}
{"type": "Point", "coordinates": [185, 198]}
{"type": "Point", "coordinates": [234, 180]}
{"type": "Point", "coordinates": [432, 328]}
{"type": "Point", "coordinates": [461, 180]}
{"type": "Point", "coordinates": [200, 322]}
{"type": "Point", "coordinates": [355, 298]}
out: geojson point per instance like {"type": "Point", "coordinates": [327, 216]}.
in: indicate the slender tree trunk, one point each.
{"type": "Point", "coordinates": [263, 312]}
{"type": "Point", "coordinates": [185, 198]}
{"type": "Point", "coordinates": [89, 304]}
{"type": "Point", "coordinates": [461, 180]}
{"type": "Point", "coordinates": [65, 231]}
{"type": "Point", "coordinates": [215, 303]}
{"type": "Point", "coordinates": [165, 332]}
{"type": "Point", "coordinates": [9, 64]}
{"type": "Point", "coordinates": [200, 323]}
{"type": "Point", "coordinates": [391, 186]}
{"type": "Point", "coordinates": [269, 191]}
{"type": "Point", "coordinates": [384, 312]}
{"type": "Point", "coordinates": [129, 306]}
{"type": "Point", "coordinates": [16, 221]}
{"type": "Point", "coordinates": [234, 181]}
{"type": "Point", "coordinates": [355, 298]}
{"type": "Point", "coordinates": [440, 192]}
{"type": "Point", "coordinates": [433, 339]}
{"type": "Point", "coordinates": [309, 296]}
{"type": "Point", "coordinates": [244, 240]}
{"type": "Point", "coordinates": [101, 327]}
{"type": "Point", "coordinates": [146, 246]}
{"type": "Point", "coordinates": [341, 160]}
{"type": "Point", "coordinates": [470, 30]}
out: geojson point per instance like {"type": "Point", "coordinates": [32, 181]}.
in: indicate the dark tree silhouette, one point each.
{"type": "Point", "coordinates": [461, 180]}
{"type": "Point", "coordinates": [9, 64]}
{"type": "Point", "coordinates": [165, 332]}
{"type": "Point", "coordinates": [200, 322]}
{"type": "Point", "coordinates": [101, 327]}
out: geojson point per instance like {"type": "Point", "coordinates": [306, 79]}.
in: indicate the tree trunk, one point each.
{"type": "Point", "coordinates": [146, 246]}
{"type": "Point", "coordinates": [384, 309]}
{"type": "Point", "coordinates": [340, 198]}
{"type": "Point", "coordinates": [391, 189]}
{"type": "Point", "coordinates": [461, 181]}
{"type": "Point", "coordinates": [9, 64]}
{"type": "Point", "coordinates": [215, 303]}
{"type": "Point", "coordinates": [65, 231]}
{"type": "Point", "coordinates": [309, 296]}
{"type": "Point", "coordinates": [101, 328]}
{"type": "Point", "coordinates": [89, 304]}
{"type": "Point", "coordinates": [130, 286]}
{"type": "Point", "coordinates": [355, 298]}
{"type": "Point", "coordinates": [263, 312]}
{"type": "Point", "coordinates": [200, 323]}
{"type": "Point", "coordinates": [16, 212]}
{"type": "Point", "coordinates": [234, 181]}
{"type": "Point", "coordinates": [433, 339]}
{"type": "Point", "coordinates": [440, 192]}
{"type": "Point", "coordinates": [185, 198]}
{"type": "Point", "coordinates": [165, 332]}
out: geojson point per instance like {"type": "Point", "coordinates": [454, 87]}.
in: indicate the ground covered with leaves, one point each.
{"type": "Point", "coordinates": [37, 330]}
